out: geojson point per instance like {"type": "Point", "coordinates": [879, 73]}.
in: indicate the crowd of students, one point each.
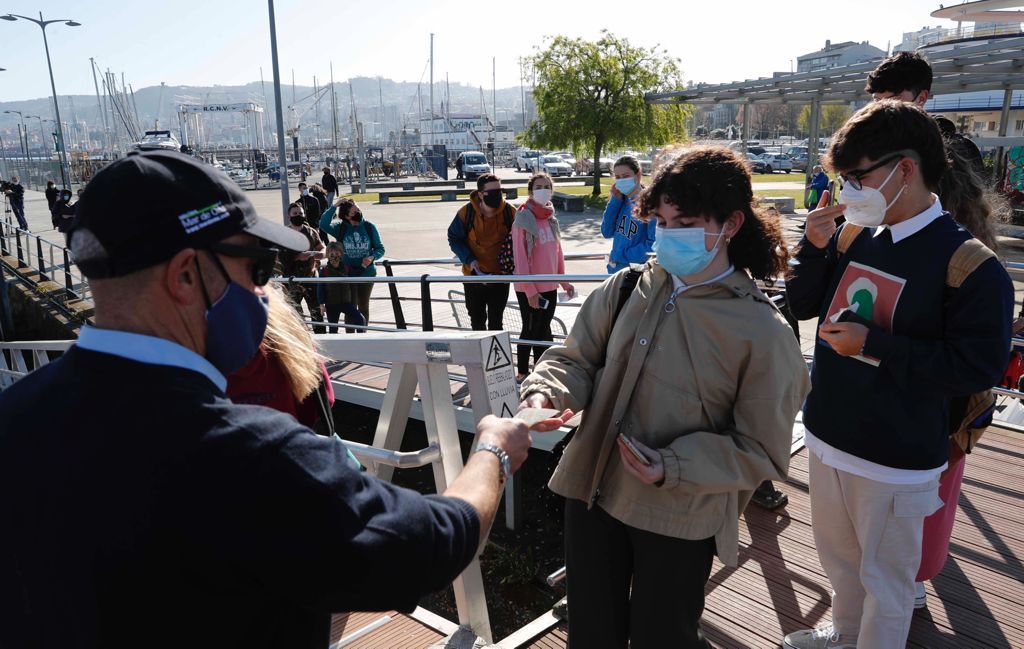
{"type": "Point", "coordinates": [653, 492]}
{"type": "Point", "coordinates": [688, 376]}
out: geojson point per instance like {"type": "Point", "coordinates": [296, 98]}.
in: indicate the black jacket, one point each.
{"type": "Point", "coordinates": [144, 495]}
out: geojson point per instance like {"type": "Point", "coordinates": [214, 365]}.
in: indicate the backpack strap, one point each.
{"type": "Point", "coordinates": [847, 235]}
{"type": "Point", "coordinates": [629, 283]}
{"type": "Point", "coordinates": [510, 215]}
{"type": "Point", "coordinates": [971, 254]}
{"type": "Point", "coordinates": [468, 216]}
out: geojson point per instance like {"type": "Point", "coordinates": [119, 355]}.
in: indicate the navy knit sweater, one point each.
{"type": "Point", "coordinates": [140, 507]}
{"type": "Point", "coordinates": [927, 342]}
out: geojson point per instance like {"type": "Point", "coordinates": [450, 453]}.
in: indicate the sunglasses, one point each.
{"type": "Point", "coordinates": [490, 192]}
{"type": "Point", "coordinates": [854, 178]}
{"type": "Point", "coordinates": [265, 260]}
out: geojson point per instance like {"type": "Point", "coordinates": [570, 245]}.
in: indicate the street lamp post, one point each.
{"type": "Point", "coordinates": [23, 143]}
{"type": "Point", "coordinates": [61, 148]}
{"type": "Point", "coordinates": [282, 161]}
{"type": "Point", "coordinates": [42, 136]}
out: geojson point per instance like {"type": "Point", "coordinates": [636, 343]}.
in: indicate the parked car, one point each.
{"type": "Point", "coordinates": [526, 159]}
{"type": "Point", "coordinates": [474, 164]}
{"type": "Point", "coordinates": [586, 165]}
{"type": "Point", "coordinates": [569, 158]}
{"type": "Point", "coordinates": [776, 162]}
{"type": "Point", "coordinates": [798, 154]}
{"type": "Point", "coordinates": [553, 165]}
{"type": "Point", "coordinates": [757, 165]}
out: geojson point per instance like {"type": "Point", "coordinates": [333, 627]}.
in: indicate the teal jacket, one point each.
{"type": "Point", "coordinates": [359, 241]}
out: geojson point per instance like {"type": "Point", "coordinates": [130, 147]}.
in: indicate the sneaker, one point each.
{"type": "Point", "coordinates": [920, 595]}
{"type": "Point", "coordinates": [821, 638]}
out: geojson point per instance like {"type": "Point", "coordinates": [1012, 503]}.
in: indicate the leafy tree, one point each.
{"type": "Point", "coordinates": [833, 116]}
{"type": "Point", "coordinates": [591, 94]}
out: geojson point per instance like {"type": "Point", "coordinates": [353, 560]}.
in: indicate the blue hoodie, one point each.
{"type": "Point", "coordinates": [359, 241]}
{"type": "Point", "coordinates": [633, 238]}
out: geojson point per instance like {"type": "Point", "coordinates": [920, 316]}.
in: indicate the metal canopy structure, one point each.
{"type": "Point", "coordinates": [957, 67]}
{"type": "Point", "coordinates": [993, 65]}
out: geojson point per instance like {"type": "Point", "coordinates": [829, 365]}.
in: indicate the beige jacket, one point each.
{"type": "Point", "coordinates": [715, 386]}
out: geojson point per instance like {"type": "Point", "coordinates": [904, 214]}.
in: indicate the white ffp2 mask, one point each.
{"type": "Point", "coordinates": [866, 206]}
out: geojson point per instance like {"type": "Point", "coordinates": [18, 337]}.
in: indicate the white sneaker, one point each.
{"type": "Point", "coordinates": [920, 595]}
{"type": "Point", "coordinates": [821, 638]}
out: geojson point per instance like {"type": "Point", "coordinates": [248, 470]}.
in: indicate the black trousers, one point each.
{"type": "Point", "coordinates": [536, 326]}
{"type": "Point", "coordinates": [604, 557]}
{"type": "Point", "coordinates": [486, 305]}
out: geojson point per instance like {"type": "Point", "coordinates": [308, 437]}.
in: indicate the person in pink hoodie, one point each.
{"type": "Point", "coordinates": [537, 249]}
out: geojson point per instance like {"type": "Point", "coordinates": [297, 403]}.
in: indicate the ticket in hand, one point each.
{"type": "Point", "coordinates": [533, 416]}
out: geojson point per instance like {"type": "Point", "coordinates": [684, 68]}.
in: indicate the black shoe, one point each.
{"type": "Point", "coordinates": [769, 498]}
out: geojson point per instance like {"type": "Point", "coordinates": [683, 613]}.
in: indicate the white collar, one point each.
{"type": "Point", "coordinates": [679, 286]}
{"type": "Point", "coordinates": [914, 224]}
{"type": "Point", "coordinates": [149, 350]}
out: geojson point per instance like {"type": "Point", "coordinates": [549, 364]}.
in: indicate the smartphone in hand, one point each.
{"type": "Point", "coordinates": [543, 302]}
{"type": "Point", "coordinates": [631, 447]}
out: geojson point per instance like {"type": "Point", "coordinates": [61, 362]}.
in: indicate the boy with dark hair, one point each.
{"type": "Point", "coordinates": [913, 313]}
{"type": "Point", "coordinates": [310, 206]}
{"type": "Point", "coordinates": [905, 76]}
{"type": "Point", "coordinates": [477, 236]}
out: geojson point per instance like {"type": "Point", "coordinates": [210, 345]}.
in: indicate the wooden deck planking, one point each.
{"type": "Point", "coordinates": [401, 632]}
{"type": "Point", "coordinates": [779, 585]}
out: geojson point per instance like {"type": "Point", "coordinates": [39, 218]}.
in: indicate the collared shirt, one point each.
{"type": "Point", "coordinates": [914, 224]}
{"type": "Point", "coordinates": [150, 350]}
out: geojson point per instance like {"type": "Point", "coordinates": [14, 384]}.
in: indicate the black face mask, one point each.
{"type": "Point", "coordinates": [492, 199]}
{"type": "Point", "coordinates": [297, 220]}
{"type": "Point", "coordinates": [357, 217]}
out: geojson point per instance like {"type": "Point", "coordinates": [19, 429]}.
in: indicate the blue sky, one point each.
{"type": "Point", "coordinates": [226, 42]}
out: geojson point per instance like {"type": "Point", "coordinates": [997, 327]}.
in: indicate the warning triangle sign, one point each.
{"type": "Point", "coordinates": [506, 411]}
{"type": "Point", "coordinates": [497, 357]}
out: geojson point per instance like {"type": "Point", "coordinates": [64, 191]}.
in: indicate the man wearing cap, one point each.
{"type": "Point", "coordinates": [139, 506]}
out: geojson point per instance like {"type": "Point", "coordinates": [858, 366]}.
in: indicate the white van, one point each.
{"type": "Point", "coordinates": [474, 165]}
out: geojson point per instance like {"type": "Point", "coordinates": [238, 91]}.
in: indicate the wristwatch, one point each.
{"type": "Point", "coordinates": [506, 464]}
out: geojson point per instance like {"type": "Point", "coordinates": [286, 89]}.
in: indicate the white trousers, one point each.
{"type": "Point", "coordinates": [868, 536]}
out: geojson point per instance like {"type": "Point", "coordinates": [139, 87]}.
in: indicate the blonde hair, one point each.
{"type": "Point", "coordinates": [289, 341]}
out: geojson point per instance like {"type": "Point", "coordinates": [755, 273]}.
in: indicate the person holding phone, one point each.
{"type": "Point", "coordinates": [632, 238]}
{"type": "Point", "coordinates": [537, 250]}
{"type": "Point", "coordinates": [691, 366]}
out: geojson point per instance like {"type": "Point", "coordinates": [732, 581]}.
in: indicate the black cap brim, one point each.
{"type": "Point", "coordinates": [278, 235]}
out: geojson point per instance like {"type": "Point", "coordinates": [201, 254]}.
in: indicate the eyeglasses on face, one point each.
{"type": "Point", "coordinates": [264, 258]}
{"type": "Point", "coordinates": [854, 178]}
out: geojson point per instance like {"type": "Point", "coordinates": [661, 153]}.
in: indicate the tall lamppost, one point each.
{"type": "Point", "coordinates": [3, 148]}
{"type": "Point", "coordinates": [42, 136]}
{"type": "Point", "coordinates": [61, 149]}
{"type": "Point", "coordinates": [23, 143]}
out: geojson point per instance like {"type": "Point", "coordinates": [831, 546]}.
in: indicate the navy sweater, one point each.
{"type": "Point", "coordinates": [139, 506]}
{"type": "Point", "coordinates": [931, 342]}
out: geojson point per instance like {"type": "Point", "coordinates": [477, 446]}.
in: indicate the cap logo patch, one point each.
{"type": "Point", "coordinates": [196, 220]}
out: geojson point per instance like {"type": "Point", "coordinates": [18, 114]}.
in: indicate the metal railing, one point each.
{"type": "Point", "coordinates": [51, 261]}
{"type": "Point", "coordinates": [972, 32]}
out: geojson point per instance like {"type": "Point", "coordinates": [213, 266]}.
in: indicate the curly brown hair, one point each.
{"type": "Point", "coordinates": [713, 182]}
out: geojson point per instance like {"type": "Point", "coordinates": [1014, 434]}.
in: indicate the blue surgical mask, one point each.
{"type": "Point", "coordinates": [625, 185]}
{"type": "Point", "coordinates": [235, 325]}
{"type": "Point", "coordinates": [681, 251]}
